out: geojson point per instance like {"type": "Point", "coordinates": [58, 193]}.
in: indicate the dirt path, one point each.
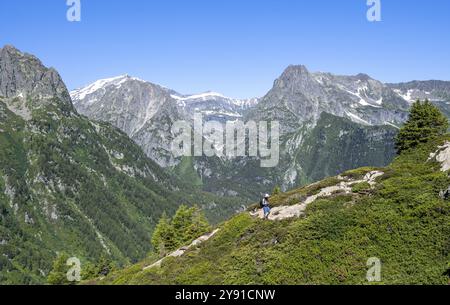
{"type": "Point", "coordinates": [182, 250]}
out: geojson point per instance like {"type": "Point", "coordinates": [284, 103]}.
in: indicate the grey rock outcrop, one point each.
{"type": "Point", "coordinates": [27, 84]}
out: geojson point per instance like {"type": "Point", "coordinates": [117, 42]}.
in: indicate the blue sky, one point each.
{"type": "Point", "coordinates": [236, 47]}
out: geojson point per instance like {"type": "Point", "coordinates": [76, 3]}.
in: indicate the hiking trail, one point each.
{"type": "Point", "coordinates": [285, 212]}
{"type": "Point", "coordinates": [182, 250]}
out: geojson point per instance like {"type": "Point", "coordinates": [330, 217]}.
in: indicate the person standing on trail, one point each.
{"type": "Point", "coordinates": [265, 205]}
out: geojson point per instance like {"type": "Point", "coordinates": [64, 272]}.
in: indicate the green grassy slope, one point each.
{"type": "Point", "coordinates": [403, 222]}
{"type": "Point", "coordinates": [84, 188]}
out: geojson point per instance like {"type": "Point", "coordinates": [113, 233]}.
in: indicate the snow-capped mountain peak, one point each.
{"type": "Point", "coordinates": [145, 111]}
{"type": "Point", "coordinates": [81, 93]}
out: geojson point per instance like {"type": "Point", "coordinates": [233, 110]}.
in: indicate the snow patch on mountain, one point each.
{"type": "Point", "coordinates": [406, 96]}
{"type": "Point", "coordinates": [82, 93]}
{"type": "Point", "coordinates": [204, 96]}
{"type": "Point", "coordinates": [183, 100]}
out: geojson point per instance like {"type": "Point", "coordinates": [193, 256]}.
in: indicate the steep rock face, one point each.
{"type": "Point", "coordinates": [295, 99]}
{"type": "Point", "coordinates": [299, 97]}
{"type": "Point", "coordinates": [24, 80]}
{"type": "Point", "coordinates": [126, 102]}
{"type": "Point", "coordinates": [330, 123]}
{"type": "Point", "coordinates": [144, 111]}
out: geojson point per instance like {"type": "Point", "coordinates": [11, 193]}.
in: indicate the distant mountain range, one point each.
{"type": "Point", "coordinates": [330, 123]}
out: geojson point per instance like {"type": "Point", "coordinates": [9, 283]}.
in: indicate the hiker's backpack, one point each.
{"type": "Point", "coordinates": [261, 203]}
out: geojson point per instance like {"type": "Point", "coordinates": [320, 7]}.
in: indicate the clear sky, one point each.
{"type": "Point", "coordinates": [236, 47]}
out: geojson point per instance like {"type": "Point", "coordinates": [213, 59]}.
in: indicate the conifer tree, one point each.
{"type": "Point", "coordinates": [425, 123]}
{"type": "Point", "coordinates": [199, 225]}
{"type": "Point", "coordinates": [58, 275]}
{"type": "Point", "coordinates": [163, 239]}
{"type": "Point", "coordinates": [276, 190]}
{"type": "Point", "coordinates": [187, 225]}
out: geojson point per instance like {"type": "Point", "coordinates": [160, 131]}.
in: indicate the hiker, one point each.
{"type": "Point", "coordinates": [445, 195]}
{"type": "Point", "coordinates": [265, 205]}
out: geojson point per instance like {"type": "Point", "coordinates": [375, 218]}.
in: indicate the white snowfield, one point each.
{"type": "Point", "coordinates": [206, 96]}
{"type": "Point", "coordinates": [286, 212]}
{"type": "Point", "coordinates": [442, 155]}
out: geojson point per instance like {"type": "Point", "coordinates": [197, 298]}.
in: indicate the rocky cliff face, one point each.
{"type": "Point", "coordinates": [299, 97]}
{"type": "Point", "coordinates": [26, 84]}
{"type": "Point", "coordinates": [126, 102]}
{"type": "Point", "coordinates": [146, 112]}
